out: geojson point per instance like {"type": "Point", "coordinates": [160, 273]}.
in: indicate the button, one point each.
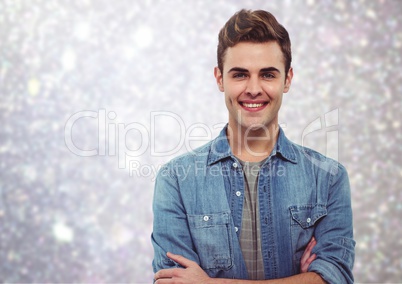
{"type": "Point", "coordinates": [235, 165]}
{"type": "Point", "coordinates": [238, 193]}
{"type": "Point", "coordinates": [308, 220]}
{"type": "Point", "coordinates": [236, 229]}
{"type": "Point", "coordinates": [206, 218]}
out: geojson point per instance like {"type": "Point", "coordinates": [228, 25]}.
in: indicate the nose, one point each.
{"type": "Point", "coordinates": [253, 87]}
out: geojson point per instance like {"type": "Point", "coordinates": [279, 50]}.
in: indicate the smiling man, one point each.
{"type": "Point", "coordinates": [253, 79]}
{"type": "Point", "coordinates": [251, 206]}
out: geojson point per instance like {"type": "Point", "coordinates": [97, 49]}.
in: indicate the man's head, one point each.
{"type": "Point", "coordinates": [257, 27]}
{"type": "Point", "coordinates": [254, 70]}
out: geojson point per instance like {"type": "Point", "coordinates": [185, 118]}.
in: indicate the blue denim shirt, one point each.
{"type": "Point", "coordinates": [198, 203]}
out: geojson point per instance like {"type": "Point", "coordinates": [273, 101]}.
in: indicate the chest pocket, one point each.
{"type": "Point", "coordinates": [303, 220]}
{"type": "Point", "coordinates": [307, 215]}
{"type": "Point", "coordinates": [212, 237]}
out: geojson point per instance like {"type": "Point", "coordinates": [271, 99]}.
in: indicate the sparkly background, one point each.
{"type": "Point", "coordinates": [134, 77]}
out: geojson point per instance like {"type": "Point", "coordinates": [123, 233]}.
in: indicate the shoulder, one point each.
{"type": "Point", "coordinates": [308, 157]}
{"type": "Point", "coordinates": [327, 173]}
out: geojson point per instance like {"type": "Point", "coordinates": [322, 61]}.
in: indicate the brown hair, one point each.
{"type": "Point", "coordinates": [253, 26]}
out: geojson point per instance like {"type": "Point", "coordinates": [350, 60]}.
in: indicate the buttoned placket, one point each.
{"type": "Point", "coordinates": [237, 189]}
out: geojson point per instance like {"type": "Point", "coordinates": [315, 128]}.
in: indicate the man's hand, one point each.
{"type": "Point", "coordinates": [307, 258]}
{"type": "Point", "coordinates": [192, 272]}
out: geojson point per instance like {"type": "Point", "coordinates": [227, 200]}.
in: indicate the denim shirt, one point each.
{"type": "Point", "coordinates": [198, 203]}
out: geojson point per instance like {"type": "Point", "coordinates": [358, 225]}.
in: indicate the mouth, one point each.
{"type": "Point", "coordinates": [253, 106]}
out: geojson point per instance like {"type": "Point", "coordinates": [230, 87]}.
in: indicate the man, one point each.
{"type": "Point", "coordinates": [251, 205]}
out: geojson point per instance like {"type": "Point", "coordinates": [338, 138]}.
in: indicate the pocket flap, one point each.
{"type": "Point", "coordinates": [208, 220]}
{"type": "Point", "coordinates": [307, 215]}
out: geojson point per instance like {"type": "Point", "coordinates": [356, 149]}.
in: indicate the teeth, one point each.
{"type": "Point", "coordinates": [252, 105]}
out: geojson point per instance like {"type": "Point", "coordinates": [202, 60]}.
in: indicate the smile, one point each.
{"type": "Point", "coordinates": [252, 105]}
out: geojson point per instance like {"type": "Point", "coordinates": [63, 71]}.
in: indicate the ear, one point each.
{"type": "Point", "coordinates": [288, 80]}
{"type": "Point", "coordinates": [219, 78]}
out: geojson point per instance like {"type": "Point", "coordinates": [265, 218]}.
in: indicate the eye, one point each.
{"type": "Point", "coordinates": [268, 76]}
{"type": "Point", "coordinates": [239, 75]}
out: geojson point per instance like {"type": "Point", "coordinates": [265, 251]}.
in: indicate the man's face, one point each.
{"type": "Point", "coordinates": [253, 81]}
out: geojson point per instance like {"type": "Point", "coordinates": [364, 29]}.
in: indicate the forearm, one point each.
{"type": "Point", "coordinates": [304, 278]}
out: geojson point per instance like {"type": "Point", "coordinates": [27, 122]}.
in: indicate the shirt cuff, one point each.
{"type": "Point", "coordinates": [330, 272]}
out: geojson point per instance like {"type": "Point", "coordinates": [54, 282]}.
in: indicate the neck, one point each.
{"type": "Point", "coordinates": [252, 145]}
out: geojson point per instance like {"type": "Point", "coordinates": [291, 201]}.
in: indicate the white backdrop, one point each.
{"type": "Point", "coordinates": [95, 95]}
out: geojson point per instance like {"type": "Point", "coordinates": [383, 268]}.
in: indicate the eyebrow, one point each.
{"type": "Point", "coordinates": [270, 69]}
{"type": "Point", "coordinates": [263, 70]}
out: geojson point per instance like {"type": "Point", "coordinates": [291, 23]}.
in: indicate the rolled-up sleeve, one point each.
{"type": "Point", "coordinates": [170, 226]}
{"type": "Point", "coordinates": [334, 234]}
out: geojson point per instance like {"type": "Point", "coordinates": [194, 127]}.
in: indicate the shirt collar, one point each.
{"type": "Point", "coordinates": [220, 148]}
{"type": "Point", "coordinates": [285, 147]}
